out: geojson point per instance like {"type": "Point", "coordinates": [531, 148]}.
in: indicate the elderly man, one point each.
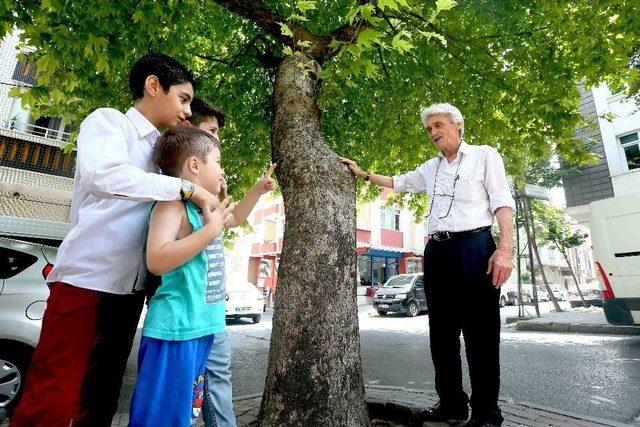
{"type": "Point", "coordinates": [467, 186]}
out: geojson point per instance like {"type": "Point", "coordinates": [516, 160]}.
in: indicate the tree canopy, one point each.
{"type": "Point", "coordinates": [511, 66]}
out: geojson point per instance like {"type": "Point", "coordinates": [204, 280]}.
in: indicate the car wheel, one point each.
{"type": "Point", "coordinates": [256, 318]}
{"type": "Point", "coordinates": [382, 313]}
{"type": "Point", "coordinates": [503, 301]}
{"type": "Point", "coordinates": [412, 309]}
{"type": "Point", "coordinates": [13, 374]}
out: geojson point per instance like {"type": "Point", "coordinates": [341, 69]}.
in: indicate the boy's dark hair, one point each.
{"type": "Point", "coordinates": [179, 143]}
{"type": "Point", "coordinates": [168, 71]}
{"type": "Point", "coordinates": [201, 109]}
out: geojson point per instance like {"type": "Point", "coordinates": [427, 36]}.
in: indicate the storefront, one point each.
{"type": "Point", "coordinates": [376, 266]}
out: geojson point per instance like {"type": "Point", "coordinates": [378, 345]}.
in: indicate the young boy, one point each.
{"type": "Point", "coordinates": [218, 404]}
{"type": "Point", "coordinates": [184, 247]}
{"type": "Point", "coordinates": [94, 305]}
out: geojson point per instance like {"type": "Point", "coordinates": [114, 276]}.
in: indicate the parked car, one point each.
{"type": "Point", "coordinates": [403, 293]}
{"type": "Point", "coordinates": [615, 236]}
{"type": "Point", "coordinates": [559, 292]}
{"type": "Point", "coordinates": [244, 300]}
{"type": "Point", "coordinates": [543, 295]}
{"type": "Point", "coordinates": [591, 293]}
{"type": "Point", "coordinates": [508, 294]}
{"type": "Point", "coordinates": [23, 299]}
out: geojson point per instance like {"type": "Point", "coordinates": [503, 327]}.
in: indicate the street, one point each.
{"type": "Point", "coordinates": [594, 375]}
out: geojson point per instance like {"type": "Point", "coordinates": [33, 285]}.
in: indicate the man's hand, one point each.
{"type": "Point", "coordinates": [500, 266]}
{"type": "Point", "coordinates": [266, 183]}
{"type": "Point", "coordinates": [205, 200]}
{"type": "Point", "coordinates": [220, 217]}
{"type": "Point", "coordinates": [353, 167]}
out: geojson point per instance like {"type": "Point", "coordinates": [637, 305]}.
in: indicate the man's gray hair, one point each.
{"type": "Point", "coordinates": [444, 108]}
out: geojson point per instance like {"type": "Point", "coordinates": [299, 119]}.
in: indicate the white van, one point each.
{"type": "Point", "coordinates": [615, 235]}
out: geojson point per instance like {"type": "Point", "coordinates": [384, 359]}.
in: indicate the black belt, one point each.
{"type": "Point", "coordinates": [441, 236]}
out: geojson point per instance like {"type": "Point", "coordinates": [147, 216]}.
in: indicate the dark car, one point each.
{"type": "Point", "coordinates": [403, 293]}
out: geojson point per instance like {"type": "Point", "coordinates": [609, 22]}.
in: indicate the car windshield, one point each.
{"type": "Point", "coordinates": [398, 282]}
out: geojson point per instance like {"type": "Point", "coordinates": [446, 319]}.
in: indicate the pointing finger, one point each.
{"type": "Point", "coordinates": [269, 171]}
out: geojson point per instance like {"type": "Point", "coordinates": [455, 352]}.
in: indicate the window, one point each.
{"type": "Point", "coordinates": [390, 218]}
{"type": "Point", "coordinates": [265, 268]}
{"type": "Point", "coordinates": [414, 265]}
{"type": "Point", "coordinates": [270, 231]}
{"type": "Point", "coordinates": [631, 146]}
{"type": "Point", "coordinates": [13, 262]}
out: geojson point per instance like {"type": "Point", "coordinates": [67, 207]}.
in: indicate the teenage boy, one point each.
{"type": "Point", "coordinates": [218, 404]}
{"type": "Point", "coordinates": [95, 300]}
{"type": "Point", "coordinates": [185, 248]}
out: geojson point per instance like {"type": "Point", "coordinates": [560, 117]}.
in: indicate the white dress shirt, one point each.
{"type": "Point", "coordinates": [481, 188]}
{"type": "Point", "coordinates": [115, 183]}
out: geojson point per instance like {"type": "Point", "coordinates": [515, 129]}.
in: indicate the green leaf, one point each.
{"type": "Point", "coordinates": [335, 44]}
{"type": "Point", "coordinates": [351, 15]}
{"type": "Point", "coordinates": [391, 4]}
{"type": "Point", "coordinates": [368, 37]}
{"type": "Point", "coordinates": [296, 17]}
{"type": "Point", "coordinates": [445, 5]}
{"type": "Point", "coordinates": [286, 31]}
{"type": "Point", "coordinates": [306, 5]}
{"type": "Point", "coordinates": [429, 34]}
{"type": "Point", "coordinates": [138, 16]}
{"type": "Point", "coordinates": [401, 44]}
{"type": "Point", "coordinates": [305, 43]}
{"type": "Point", "coordinates": [287, 51]}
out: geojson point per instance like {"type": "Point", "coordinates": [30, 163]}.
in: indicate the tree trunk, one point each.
{"type": "Point", "coordinates": [535, 251]}
{"type": "Point", "coordinates": [314, 375]}
{"type": "Point", "coordinates": [566, 258]}
{"type": "Point", "coordinates": [527, 228]}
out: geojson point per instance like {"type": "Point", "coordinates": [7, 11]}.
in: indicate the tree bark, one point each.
{"type": "Point", "coordinates": [314, 375]}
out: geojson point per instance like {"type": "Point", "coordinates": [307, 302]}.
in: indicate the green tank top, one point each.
{"type": "Point", "coordinates": [190, 301]}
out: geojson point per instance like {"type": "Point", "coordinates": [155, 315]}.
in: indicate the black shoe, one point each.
{"type": "Point", "coordinates": [488, 421]}
{"type": "Point", "coordinates": [440, 413]}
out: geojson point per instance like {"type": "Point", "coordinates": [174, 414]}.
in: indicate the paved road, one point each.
{"type": "Point", "coordinates": [594, 375]}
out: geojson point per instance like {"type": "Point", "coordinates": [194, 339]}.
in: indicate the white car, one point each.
{"type": "Point", "coordinates": [559, 292]}
{"type": "Point", "coordinates": [244, 300]}
{"type": "Point", "coordinates": [23, 299]}
{"type": "Point", "coordinates": [591, 293]}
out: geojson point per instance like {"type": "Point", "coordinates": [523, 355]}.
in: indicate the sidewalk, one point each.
{"type": "Point", "coordinates": [589, 320]}
{"type": "Point", "coordinates": [403, 402]}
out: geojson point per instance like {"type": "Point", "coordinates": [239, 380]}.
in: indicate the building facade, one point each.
{"type": "Point", "coordinates": [36, 171]}
{"type": "Point", "coordinates": [389, 242]}
{"type": "Point", "coordinates": [616, 139]}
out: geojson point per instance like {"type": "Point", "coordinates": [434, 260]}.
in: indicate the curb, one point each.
{"type": "Point", "coordinates": [580, 328]}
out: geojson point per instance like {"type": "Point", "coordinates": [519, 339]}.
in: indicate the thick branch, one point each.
{"type": "Point", "coordinates": [269, 19]}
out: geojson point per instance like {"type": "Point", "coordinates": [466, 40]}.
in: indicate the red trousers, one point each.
{"type": "Point", "coordinates": [77, 368]}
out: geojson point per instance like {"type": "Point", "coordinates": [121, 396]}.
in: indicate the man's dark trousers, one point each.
{"type": "Point", "coordinates": [461, 298]}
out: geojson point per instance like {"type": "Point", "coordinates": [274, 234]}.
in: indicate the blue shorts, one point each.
{"type": "Point", "coordinates": [169, 389]}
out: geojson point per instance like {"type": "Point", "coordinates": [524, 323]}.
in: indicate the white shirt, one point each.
{"type": "Point", "coordinates": [114, 185]}
{"type": "Point", "coordinates": [481, 188]}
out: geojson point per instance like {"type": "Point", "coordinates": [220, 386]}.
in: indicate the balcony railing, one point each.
{"type": "Point", "coordinates": [31, 129]}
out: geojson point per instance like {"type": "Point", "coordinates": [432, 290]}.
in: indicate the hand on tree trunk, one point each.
{"type": "Point", "coordinates": [353, 167]}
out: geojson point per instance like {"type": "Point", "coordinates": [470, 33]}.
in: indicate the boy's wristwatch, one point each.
{"type": "Point", "coordinates": [186, 190]}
